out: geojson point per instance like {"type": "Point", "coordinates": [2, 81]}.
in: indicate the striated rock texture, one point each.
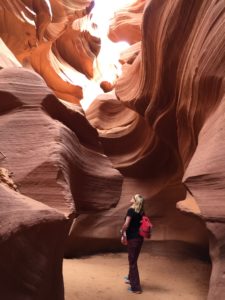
{"type": "Point", "coordinates": [131, 144]}
{"type": "Point", "coordinates": [44, 132]}
{"type": "Point", "coordinates": [122, 132]}
{"type": "Point", "coordinates": [175, 95]}
{"type": "Point", "coordinates": [75, 52]}
{"type": "Point", "coordinates": [180, 94]}
{"type": "Point", "coordinates": [174, 87]}
{"type": "Point", "coordinates": [45, 37]}
{"type": "Point", "coordinates": [205, 179]}
{"type": "Point", "coordinates": [51, 154]}
{"type": "Point", "coordinates": [163, 124]}
{"type": "Point", "coordinates": [31, 253]}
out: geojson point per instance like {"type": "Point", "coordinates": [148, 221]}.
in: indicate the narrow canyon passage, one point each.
{"type": "Point", "coordinates": [164, 277]}
{"type": "Point", "coordinates": [101, 100]}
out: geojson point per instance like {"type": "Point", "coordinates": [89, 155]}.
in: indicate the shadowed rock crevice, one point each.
{"type": "Point", "coordinates": [8, 102]}
{"type": "Point", "coordinates": [74, 118]}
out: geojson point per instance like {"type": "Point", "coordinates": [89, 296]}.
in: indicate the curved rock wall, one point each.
{"type": "Point", "coordinates": [126, 23]}
{"type": "Point", "coordinates": [53, 156]}
{"type": "Point", "coordinates": [31, 252]}
{"type": "Point", "coordinates": [43, 38]}
{"type": "Point", "coordinates": [165, 120]}
{"type": "Point", "coordinates": [180, 93]}
{"type": "Point", "coordinates": [205, 179]}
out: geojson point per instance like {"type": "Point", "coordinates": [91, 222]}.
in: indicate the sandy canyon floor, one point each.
{"type": "Point", "coordinates": [164, 277]}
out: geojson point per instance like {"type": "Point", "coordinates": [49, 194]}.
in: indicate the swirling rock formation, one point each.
{"type": "Point", "coordinates": [205, 179]}
{"type": "Point", "coordinates": [175, 96]}
{"type": "Point", "coordinates": [43, 38]}
{"type": "Point", "coordinates": [41, 63]}
{"type": "Point", "coordinates": [126, 24]}
{"type": "Point", "coordinates": [180, 85]}
{"type": "Point", "coordinates": [55, 158]}
{"type": "Point", "coordinates": [162, 128]}
{"type": "Point", "coordinates": [53, 143]}
{"type": "Point", "coordinates": [80, 51]}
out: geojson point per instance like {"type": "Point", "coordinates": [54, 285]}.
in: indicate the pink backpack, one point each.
{"type": "Point", "coordinates": [146, 227]}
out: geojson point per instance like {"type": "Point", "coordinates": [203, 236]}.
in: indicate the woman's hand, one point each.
{"type": "Point", "coordinates": [123, 240]}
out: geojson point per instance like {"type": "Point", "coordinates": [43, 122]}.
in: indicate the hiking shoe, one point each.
{"type": "Point", "coordinates": [135, 292]}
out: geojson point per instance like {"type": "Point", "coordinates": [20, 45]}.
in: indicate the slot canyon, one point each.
{"type": "Point", "coordinates": [101, 100]}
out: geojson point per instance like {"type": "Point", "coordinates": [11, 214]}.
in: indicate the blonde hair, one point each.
{"type": "Point", "coordinates": [138, 205]}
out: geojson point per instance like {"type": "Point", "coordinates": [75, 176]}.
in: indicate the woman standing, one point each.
{"type": "Point", "coordinates": [131, 237]}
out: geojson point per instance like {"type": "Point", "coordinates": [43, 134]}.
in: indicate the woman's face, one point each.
{"type": "Point", "coordinates": [132, 200]}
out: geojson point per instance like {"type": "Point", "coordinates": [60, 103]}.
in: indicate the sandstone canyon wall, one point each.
{"type": "Point", "coordinates": [67, 174]}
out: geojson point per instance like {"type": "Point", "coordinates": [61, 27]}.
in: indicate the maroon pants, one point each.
{"type": "Point", "coordinates": [134, 248]}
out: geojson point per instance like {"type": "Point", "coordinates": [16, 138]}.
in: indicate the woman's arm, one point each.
{"type": "Point", "coordinates": [123, 230]}
{"type": "Point", "coordinates": [125, 225]}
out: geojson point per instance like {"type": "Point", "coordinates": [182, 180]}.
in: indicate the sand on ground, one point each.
{"type": "Point", "coordinates": [100, 277]}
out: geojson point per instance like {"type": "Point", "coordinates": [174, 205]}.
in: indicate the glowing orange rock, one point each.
{"type": "Point", "coordinates": [78, 49]}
